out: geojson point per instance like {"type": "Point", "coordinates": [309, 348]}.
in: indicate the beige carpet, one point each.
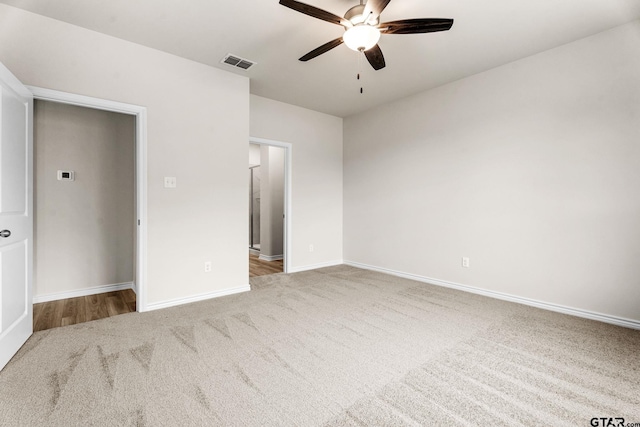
{"type": "Point", "coordinates": [336, 346]}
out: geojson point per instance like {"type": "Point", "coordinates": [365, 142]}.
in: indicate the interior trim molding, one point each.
{"type": "Point", "coordinates": [314, 266]}
{"type": "Point", "coordinates": [83, 292]}
{"type": "Point", "coordinates": [254, 251]}
{"type": "Point", "coordinates": [270, 257]}
{"type": "Point", "coordinates": [196, 298]}
{"type": "Point", "coordinates": [606, 318]}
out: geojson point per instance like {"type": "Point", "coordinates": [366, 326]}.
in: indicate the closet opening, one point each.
{"type": "Point", "coordinates": [89, 208]}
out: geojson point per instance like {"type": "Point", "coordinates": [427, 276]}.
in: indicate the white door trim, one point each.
{"type": "Point", "coordinates": [288, 155]}
{"type": "Point", "coordinates": [141, 171]}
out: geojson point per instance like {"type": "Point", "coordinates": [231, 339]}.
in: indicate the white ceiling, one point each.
{"type": "Point", "coordinates": [485, 34]}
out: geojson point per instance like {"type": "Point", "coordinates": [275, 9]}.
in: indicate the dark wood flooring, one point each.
{"type": "Point", "coordinates": [52, 314]}
{"type": "Point", "coordinates": [258, 267]}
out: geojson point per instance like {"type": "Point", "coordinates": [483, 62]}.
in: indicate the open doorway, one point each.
{"type": "Point", "coordinates": [110, 298]}
{"type": "Point", "coordinates": [84, 214]}
{"type": "Point", "coordinates": [268, 219]}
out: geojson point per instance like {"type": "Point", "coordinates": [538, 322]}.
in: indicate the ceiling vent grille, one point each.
{"type": "Point", "coordinates": [237, 62]}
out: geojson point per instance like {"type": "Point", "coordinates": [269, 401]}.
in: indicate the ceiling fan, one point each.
{"type": "Point", "coordinates": [363, 28]}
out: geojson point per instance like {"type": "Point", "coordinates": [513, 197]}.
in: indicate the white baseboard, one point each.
{"type": "Point", "coordinates": [83, 292]}
{"type": "Point", "coordinates": [314, 266]}
{"type": "Point", "coordinates": [254, 251]}
{"type": "Point", "coordinates": [619, 321]}
{"type": "Point", "coordinates": [270, 257]}
{"type": "Point", "coordinates": [196, 298]}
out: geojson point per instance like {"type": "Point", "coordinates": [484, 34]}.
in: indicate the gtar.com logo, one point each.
{"type": "Point", "coordinates": [607, 422]}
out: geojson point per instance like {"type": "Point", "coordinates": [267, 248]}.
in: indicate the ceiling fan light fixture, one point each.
{"type": "Point", "coordinates": [361, 37]}
{"type": "Point", "coordinates": [362, 28]}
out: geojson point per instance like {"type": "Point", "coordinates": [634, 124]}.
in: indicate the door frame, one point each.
{"type": "Point", "coordinates": [288, 155]}
{"type": "Point", "coordinates": [140, 114]}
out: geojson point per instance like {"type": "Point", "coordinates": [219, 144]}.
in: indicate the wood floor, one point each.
{"type": "Point", "coordinates": [258, 267]}
{"type": "Point", "coordinates": [52, 314]}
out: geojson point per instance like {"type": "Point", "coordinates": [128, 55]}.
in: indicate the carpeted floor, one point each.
{"type": "Point", "coordinates": [336, 346]}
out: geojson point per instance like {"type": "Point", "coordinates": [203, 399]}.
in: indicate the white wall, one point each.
{"type": "Point", "coordinates": [84, 229]}
{"type": "Point", "coordinates": [531, 169]}
{"type": "Point", "coordinates": [198, 121]}
{"type": "Point", "coordinates": [317, 176]}
{"type": "Point", "coordinates": [254, 155]}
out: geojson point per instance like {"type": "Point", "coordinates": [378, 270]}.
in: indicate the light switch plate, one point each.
{"type": "Point", "coordinates": [170, 182]}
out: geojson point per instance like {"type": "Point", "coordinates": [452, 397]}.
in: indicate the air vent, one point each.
{"type": "Point", "coordinates": [236, 61]}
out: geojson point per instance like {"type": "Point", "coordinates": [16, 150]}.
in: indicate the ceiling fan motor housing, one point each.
{"type": "Point", "coordinates": [355, 16]}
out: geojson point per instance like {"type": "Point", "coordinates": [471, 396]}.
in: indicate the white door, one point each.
{"type": "Point", "coordinates": [16, 215]}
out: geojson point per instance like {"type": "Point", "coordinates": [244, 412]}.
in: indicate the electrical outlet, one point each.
{"type": "Point", "coordinates": [207, 267]}
{"type": "Point", "coordinates": [310, 248]}
{"type": "Point", "coordinates": [465, 262]}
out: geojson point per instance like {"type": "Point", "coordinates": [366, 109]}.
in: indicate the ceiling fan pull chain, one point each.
{"type": "Point", "coordinates": [361, 54]}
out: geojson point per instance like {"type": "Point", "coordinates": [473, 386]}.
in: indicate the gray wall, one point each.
{"type": "Point", "coordinates": [316, 140]}
{"type": "Point", "coordinates": [531, 169]}
{"type": "Point", "coordinates": [198, 127]}
{"type": "Point", "coordinates": [84, 229]}
{"type": "Point", "coordinates": [271, 201]}
{"type": "Point", "coordinates": [254, 195]}
{"type": "Point", "coordinates": [197, 130]}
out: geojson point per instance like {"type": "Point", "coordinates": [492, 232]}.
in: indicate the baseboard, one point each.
{"type": "Point", "coordinates": [619, 321]}
{"type": "Point", "coordinates": [83, 292]}
{"type": "Point", "coordinates": [314, 266]}
{"type": "Point", "coordinates": [254, 251]}
{"type": "Point", "coordinates": [196, 298]}
{"type": "Point", "coordinates": [270, 257]}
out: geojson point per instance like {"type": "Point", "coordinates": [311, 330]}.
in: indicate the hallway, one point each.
{"type": "Point", "coordinates": [258, 267]}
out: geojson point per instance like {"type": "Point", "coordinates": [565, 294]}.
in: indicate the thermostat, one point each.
{"type": "Point", "coordinates": [66, 176]}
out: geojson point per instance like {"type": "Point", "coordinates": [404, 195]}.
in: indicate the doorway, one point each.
{"type": "Point", "coordinates": [125, 290]}
{"type": "Point", "coordinates": [84, 214]}
{"type": "Point", "coordinates": [269, 176]}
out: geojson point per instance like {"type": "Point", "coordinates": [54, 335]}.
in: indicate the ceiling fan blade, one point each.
{"type": "Point", "coordinates": [416, 26]}
{"type": "Point", "coordinates": [375, 57]}
{"type": "Point", "coordinates": [315, 12]}
{"type": "Point", "coordinates": [374, 8]}
{"type": "Point", "coordinates": [322, 49]}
